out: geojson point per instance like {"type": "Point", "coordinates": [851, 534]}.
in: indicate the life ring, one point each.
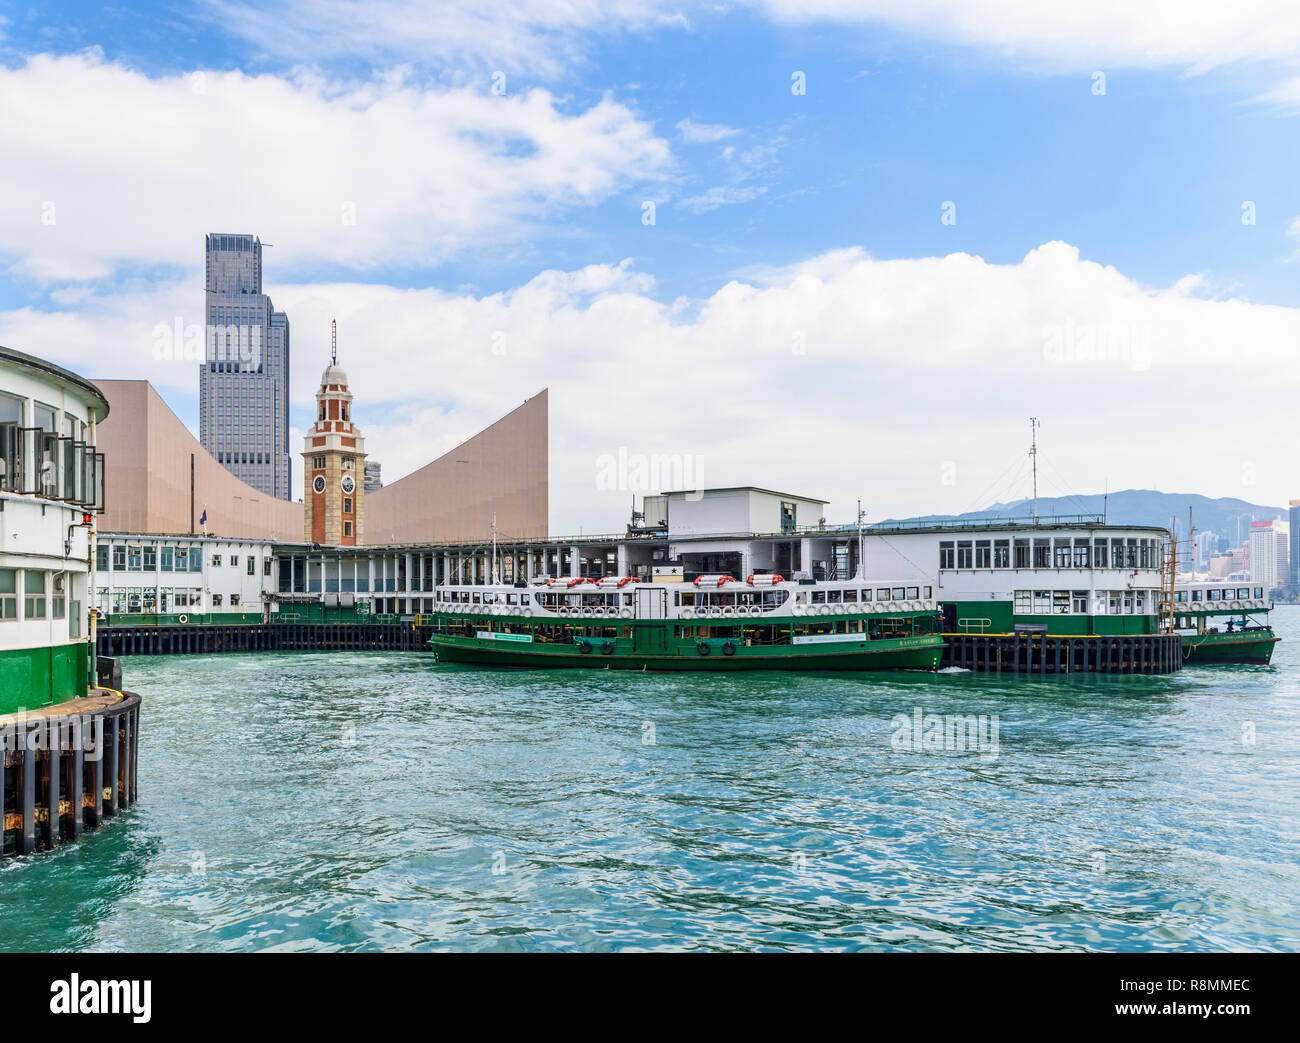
{"type": "Point", "coordinates": [823, 610]}
{"type": "Point", "coordinates": [892, 607]}
{"type": "Point", "coordinates": [798, 609]}
{"type": "Point", "coordinates": [688, 612]}
{"type": "Point", "coordinates": [625, 613]}
{"type": "Point", "coordinates": [729, 610]}
{"type": "Point", "coordinates": [183, 618]}
{"type": "Point", "coordinates": [607, 648]}
{"type": "Point", "coordinates": [716, 610]}
{"type": "Point", "coordinates": [584, 647]}
{"type": "Point", "coordinates": [1236, 606]}
{"type": "Point", "coordinates": [704, 648]}
{"type": "Point", "coordinates": [586, 610]}
{"type": "Point", "coordinates": [729, 648]}
{"type": "Point", "coordinates": [527, 613]}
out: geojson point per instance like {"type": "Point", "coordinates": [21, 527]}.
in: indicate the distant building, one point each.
{"type": "Point", "coordinates": [244, 379]}
{"type": "Point", "coordinates": [1206, 544]}
{"type": "Point", "coordinates": [1269, 555]}
{"type": "Point", "coordinates": [373, 479]}
{"type": "Point", "coordinates": [1293, 549]}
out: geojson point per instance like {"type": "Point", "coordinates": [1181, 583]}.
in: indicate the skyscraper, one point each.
{"type": "Point", "coordinates": [244, 380]}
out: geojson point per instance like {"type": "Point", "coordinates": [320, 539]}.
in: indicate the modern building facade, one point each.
{"type": "Point", "coordinates": [1293, 516]}
{"type": "Point", "coordinates": [244, 379]}
{"type": "Point", "coordinates": [1269, 555]}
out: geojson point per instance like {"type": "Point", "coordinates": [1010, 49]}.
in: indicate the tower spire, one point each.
{"type": "Point", "coordinates": [334, 342]}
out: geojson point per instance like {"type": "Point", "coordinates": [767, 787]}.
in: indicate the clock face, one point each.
{"type": "Point", "coordinates": [318, 484]}
{"type": "Point", "coordinates": [348, 484]}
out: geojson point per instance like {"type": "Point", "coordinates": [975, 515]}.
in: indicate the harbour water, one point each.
{"type": "Point", "coordinates": [382, 801]}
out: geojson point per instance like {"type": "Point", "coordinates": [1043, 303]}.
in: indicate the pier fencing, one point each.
{"type": "Point", "coordinates": [263, 637]}
{"type": "Point", "coordinates": [1040, 654]}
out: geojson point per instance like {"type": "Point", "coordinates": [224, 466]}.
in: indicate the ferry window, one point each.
{"type": "Point", "coordinates": [882, 594]}
{"type": "Point", "coordinates": [1243, 592]}
{"type": "Point", "coordinates": [1042, 602]}
{"type": "Point", "coordinates": [1180, 595]}
{"type": "Point", "coordinates": [1259, 592]}
{"type": "Point", "coordinates": [8, 594]}
{"type": "Point", "coordinates": [1080, 554]}
{"type": "Point", "coordinates": [1099, 554]}
{"type": "Point", "coordinates": [946, 559]}
{"type": "Point", "coordinates": [523, 599]}
{"type": "Point", "coordinates": [511, 599]}
{"type": "Point", "coordinates": [1080, 599]}
{"type": "Point", "coordinates": [1022, 554]}
{"type": "Point", "coordinates": [1196, 595]}
{"type": "Point", "coordinates": [1062, 557]}
{"type": "Point", "coordinates": [627, 599]}
{"type": "Point", "coordinates": [983, 554]}
{"type": "Point", "coordinates": [1001, 554]}
{"type": "Point", "coordinates": [850, 595]}
{"type": "Point", "coordinates": [914, 592]}
{"type": "Point", "coordinates": [964, 554]}
{"type": "Point", "coordinates": [474, 598]}
{"type": "Point", "coordinates": [897, 594]}
{"type": "Point", "coordinates": [33, 594]}
{"type": "Point", "coordinates": [866, 594]}
{"type": "Point", "coordinates": [929, 592]}
{"type": "Point", "coordinates": [833, 596]}
{"type": "Point", "coordinates": [1023, 603]}
{"type": "Point", "coordinates": [819, 597]}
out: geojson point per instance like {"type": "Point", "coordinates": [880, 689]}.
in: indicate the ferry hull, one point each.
{"type": "Point", "coordinates": [917, 653]}
{"type": "Point", "coordinates": [1250, 647]}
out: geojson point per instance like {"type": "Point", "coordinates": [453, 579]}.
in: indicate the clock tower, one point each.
{"type": "Point", "coordinates": [334, 463]}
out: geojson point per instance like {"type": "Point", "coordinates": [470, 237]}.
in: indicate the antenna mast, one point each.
{"type": "Point", "coordinates": [496, 571]}
{"type": "Point", "coordinates": [1033, 455]}
{"type": "Point", "coordinates": [862, 560]}
{"type": "Point", "coordinates": [334, 342]}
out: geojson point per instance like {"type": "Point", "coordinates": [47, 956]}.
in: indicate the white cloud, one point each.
{"type": "Point", "coordinates": [121, 169]}
{"type": "Point", "coordinates": [704, 133]}
{"type": "Point", "coordinates": [1067, 37]}
{"type": "Point", "coordinates": [722, 195]}
{"type": "Point", "coordinates": [839, 376]}
{"type": "Point", "coordinates": [1293, 230]}
{"type": "Point", "coordinates": [537, 37]}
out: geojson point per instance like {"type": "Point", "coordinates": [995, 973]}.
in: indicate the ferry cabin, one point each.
{"type": "Point", "coordinates": [715, 622]}
{"type": "Point", "coordinates": [51, 488]}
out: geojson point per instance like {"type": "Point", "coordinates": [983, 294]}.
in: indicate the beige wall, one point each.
{"type": "Point", "coordinates": [503, 468]}
{"type": "Point", "coordinates": [148, 452]}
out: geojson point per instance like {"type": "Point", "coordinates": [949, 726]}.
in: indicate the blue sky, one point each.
{"type": "Point", "coordinates": [752, 185]}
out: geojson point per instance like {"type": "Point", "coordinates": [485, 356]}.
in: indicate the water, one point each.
{"type": "Point", "coordinates": [368, 801]}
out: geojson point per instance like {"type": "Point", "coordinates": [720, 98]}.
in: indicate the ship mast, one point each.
{"type": "Point", "coordinates": [1033, 456]}
{"type": "Point", "coordinates": [496, 572]}
{"type": "Point", "coordinates": [862, 561]}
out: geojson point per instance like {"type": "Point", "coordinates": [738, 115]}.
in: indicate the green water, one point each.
{"type": "Point", "coordinates": [366, 801]}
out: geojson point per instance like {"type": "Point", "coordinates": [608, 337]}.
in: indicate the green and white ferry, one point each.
{"type": "Point", "coordinates": [715, 622]}
{"type": "Point", "coordinates": [1222, 621]}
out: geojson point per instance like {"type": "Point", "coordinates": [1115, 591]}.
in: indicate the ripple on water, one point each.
{"type": "Point", "coordinates": [364, 801]}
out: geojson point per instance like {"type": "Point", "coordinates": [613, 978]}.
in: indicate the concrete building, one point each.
{"type": "Point", "coordinates": [244, 379]}
{"type": "Point", "coordinates": [1268, 552]}
{"type": "Point", "coordinates": [1293, 545]}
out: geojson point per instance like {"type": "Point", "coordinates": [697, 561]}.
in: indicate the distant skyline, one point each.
{"type": "Point", "coordinates": [840, 249]}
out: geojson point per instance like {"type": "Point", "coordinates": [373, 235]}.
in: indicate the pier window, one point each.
{"type": "Point", "coordinates": [134, 557]}
{"type": "Point", "coordinates": [1042, 602]}
{"type": "Point", "coordinates": [166, 558]}
{"type": "Point", "coordinates": [216, 600]}
{"type": "Point", "coordinates": [101, 557]}
{"type": "Point", "coordinates": [34, 604]}
{"type": "Point", "coordinates": [1061, 559]}
{"type": "Point", "coordinates": [1024, 603]}
{"type": "Point", "coordinates": [1130, 554]}
{"type": "Point", "coordinates": [119, 557]}
{"type": "Point", "coordinates": [1042, 554]}
{"type": "Point", "coordinates": [1080, 602]}
{"type": "Point", "coordinates": [8, 594]}
{"type": "Point", "coordinates": [216, 561]}
{"type": "Point", "coordinates": [1022, 554]}
{"type": "Point", "coordinates": [1099, 556]}
{"type": "Point", "coordinates": [58, 597]}
{"type": "Point", "coordinates": [151, 559]}
{"type": "Point", "coordinates": [252, 566]}
{"type": "Point", "coordinates": [234, 600]}
{"type": "Point", "coordinates": [983, 554]}
{"type": "Point", "coordinates": [964, 556]}
{"type": "Point", "coordinates": [1060, 602]}
{"type": "Point", "coordinates": [947, 559]}
{"type": "Point", "coordinates": [1002, 554]}
{"type": "Point", "coordinates": [1081, 555]}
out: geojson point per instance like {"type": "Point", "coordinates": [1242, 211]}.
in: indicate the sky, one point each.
{"type": "Point", "coordinates": [841, 248]}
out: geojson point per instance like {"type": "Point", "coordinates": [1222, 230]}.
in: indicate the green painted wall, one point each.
{"type": "Point", "coordinates": [35, 677]}
{"type": "Point", "coordinates": [144, 619]}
